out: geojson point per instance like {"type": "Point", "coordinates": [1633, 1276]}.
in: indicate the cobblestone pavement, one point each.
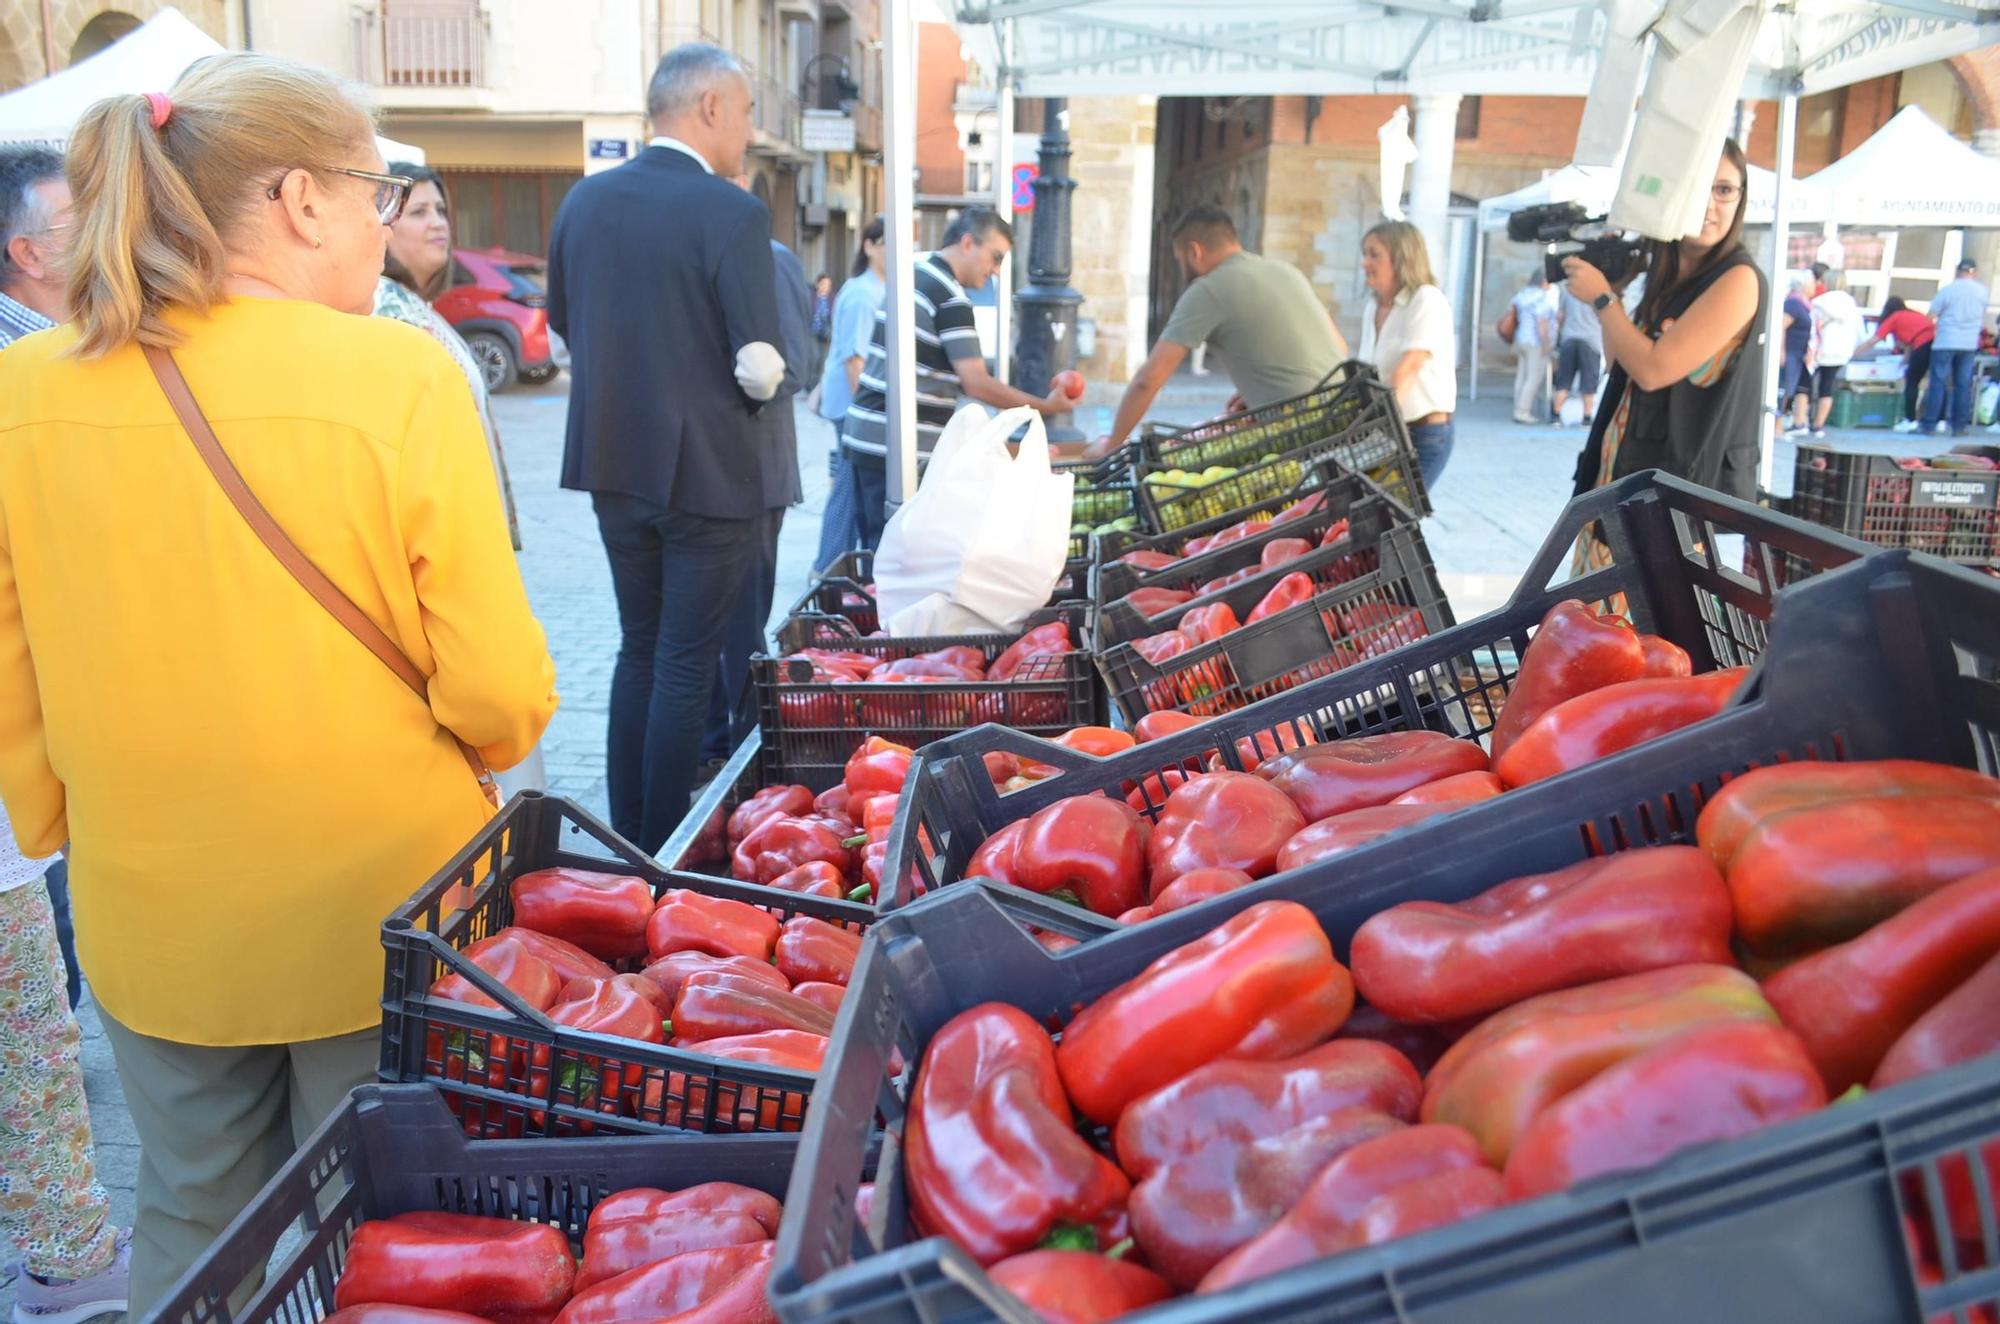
{"type": "Point", "coordinates": [1504, 487]}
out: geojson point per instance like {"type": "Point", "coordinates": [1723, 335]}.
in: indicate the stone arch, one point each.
{"type": "Point", "coordinates": [1979, 75]}
{"type": "Point", "coordinates": [100, 31]}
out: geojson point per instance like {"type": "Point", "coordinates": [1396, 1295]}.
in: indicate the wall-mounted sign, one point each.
{"type": "Point", "coordinates": [610, 149]}
{"type": "Point", "coordinates": [827, 131]}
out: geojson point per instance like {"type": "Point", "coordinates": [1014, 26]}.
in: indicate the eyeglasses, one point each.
{"type": "Point", "coordinates": [1725, 192]}
{"type": "Point", "coordinates": [391, 191]}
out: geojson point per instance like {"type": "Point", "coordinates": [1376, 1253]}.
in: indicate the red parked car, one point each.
{"type": "Point", "coordinates": [498, 303]}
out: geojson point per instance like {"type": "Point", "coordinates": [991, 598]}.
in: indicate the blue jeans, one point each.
{"type": "Point", "coordinates": [57, 880]}
{"type": "Point", "coordinates": [677, 578]}
{"type": "Point", "coordinates": [871, 492]}
{"type": "Point", "coordinates": [1951, 371]}
{"type": "Point", "coordinates": [1433, 443]}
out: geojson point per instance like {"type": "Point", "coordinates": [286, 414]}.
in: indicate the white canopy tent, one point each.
{"type": "Point", "coordinates": [147, 59]}
{"type": "Point", "coordinates": [1911, 172]}
{"type": "Point", "coordinates": [1315, 47]}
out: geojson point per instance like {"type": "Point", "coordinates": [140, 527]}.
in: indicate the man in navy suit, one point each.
{"type": "Point", "coordinates": [661, 282]}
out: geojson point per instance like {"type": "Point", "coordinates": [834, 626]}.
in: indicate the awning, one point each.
{"type": "Point", "coordinates": [1911, 172]}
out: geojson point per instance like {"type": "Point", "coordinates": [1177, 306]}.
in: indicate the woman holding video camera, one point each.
{"type": "Point", "coordinates": [1683, 394]}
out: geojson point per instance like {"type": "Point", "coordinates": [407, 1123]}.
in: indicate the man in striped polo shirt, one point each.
{"type": "Point", "coordinates": [950, 362]}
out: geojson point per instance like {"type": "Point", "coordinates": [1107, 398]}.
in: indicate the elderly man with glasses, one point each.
{"type": "Point", "coordinates": [34, 231]}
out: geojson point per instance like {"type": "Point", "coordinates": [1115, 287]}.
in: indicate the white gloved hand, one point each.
{"type": "Point", "coordinates": [759, 370]}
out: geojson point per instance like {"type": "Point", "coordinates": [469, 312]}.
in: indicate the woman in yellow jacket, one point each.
{"type": "Point", "coordinates": [245, 790]}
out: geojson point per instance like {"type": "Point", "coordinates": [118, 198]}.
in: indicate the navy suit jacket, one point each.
{"type": "Point", "coordinates": [781, 485]}
{"type": "Point", "coordinates": [659, 273]}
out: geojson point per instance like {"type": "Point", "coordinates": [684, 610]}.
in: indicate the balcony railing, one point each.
{"type": "Point", "coordinates": [778, 113]}
{"type": "Point", "coordinates": [441, 44]}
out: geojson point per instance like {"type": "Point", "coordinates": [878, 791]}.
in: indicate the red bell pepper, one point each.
{"type": "Point", "coordinates": [1501, 1076]}
{"type": "Point", "coordinates": [1230, 580]}
{"type": "Point", "coordinates": [1154, 725]}
{"type": "Point", "coordinates": [684, 1100]}
{"type": "Point", "coordinates": [504, 1271]}
{"type": "Point", "coordinates": [1291, 591]}
{"type": "Point", "coordinates": [688, 921]}
{"type": "Point", "coordinates": [515, 966]}
{"type": "Point", "coordinates": [1049, 640]}
{"type": "Point", "coordinates": [1713, 1082]}
{"type": "Point", "coordinates": [1601, 723]}
{"type": "Point", "coordinates": [1354, 829]}
{"type": "Point", "coordinates": [1164, 647]}
{"type": "Point", "coordinates": [1146, 559]}
{"type": "Point", "coordinates": [821, 994]}
{"type": "Point", "coordinates": [1851, 1003]}
{"type": "Point", "coordinates": [671, 971]}
{"type": "Point", "coordinates": [1746, 802]}
{"type": "Point", "coordinates": [1423, 1045]}
{"type": "Point", "coordinates": [1253, 750]}
{"type": "Point", "coordinates": [568, 960]}
{"type": "Point", "coordinates": [1233, 1101]}
{"type": "Point", "coordinates": [1230, 820]}
{"type": "Point", "coordinates": [1363, 771]}
{"type": "Point", "coordinates": [1237, 532]}
{"type": "Point", "coordinates": [1301, 508]}
{"type": "Point", "coordinates": [710, 846]}
{"type": "Point", "coordinates": [1204, 625]}
{"type": "Point", "coordinates": [813, 951]}
{"type": "Point", "coordinates": [1280, 550]}
{"type": "Point", "coordinates": [605, 914]}
{"type": "Point", "coordinates": [876, 767]}
{"type": "Point", "coordinates": [1196, 886]}
{"type": "Point", "coordinates": [1096, 741]}
{"type": "Point", "coordinates": [1001, 767]}
{"type": "Point", "coordinates": [1574, 651]}
{"type": "Point", "coordinates": [1427, 961]}
{"type": "Point", "coordinates": [992, 1156]}
{"type": "Point", "coordinates": [1664, 657]}
{"type": "Point", "coordinates": [1364, 1183]}
{"type": "Point", "coordinates": [771, 801]}
{"type": "Point", "coordinates": [832, 802]}
{"type": "Point", "coordinates": [1077, 1286]}
{"type": "Point", "coordinates": [641, 1225]}
{"type": "Point", "coordinates": [1089, 846]}
{"type": "Point", "coordinates": [576, 990]}
{"type": "Point", "coordinates": [717, 1005]}
{"type": "Point", "coordinates": [1962, 1025]}
{"type": "Point", "coordinates": [779, 845]}
{"type": "Point", "coordinates": [995, 857]}
{"type": "Point", "coordinates": [389, 1314]}
{"type": "Point", "coordinates": [1824, 875]}
{"type": "Point", "coordinates": [922, 668]}
{"type": "Point", "coordinates": [1337, 531]}
{"type": "Point", "coordinates": [1457, 789]}
{"type": "Point", "coordinates": [813, 878]}
{"type": "Point", "coordinates": [586, 1079]}
{"type": "Point", "coordinates": [1151, 794]}
{"type": "Point", "coordinates": [1190, 1214]}
{"type": "Point", "coordinates": [1428, 1202]}
{"type": "Point", "coordinates": [1153, 601]}
{"type": "Point", "coordinates": [1263, 985]}
{"type": "Point", "coordinates": [716, 1285]}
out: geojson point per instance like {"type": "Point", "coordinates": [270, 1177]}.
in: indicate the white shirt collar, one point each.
{"type": "Point", "coordinates": [676, 145]}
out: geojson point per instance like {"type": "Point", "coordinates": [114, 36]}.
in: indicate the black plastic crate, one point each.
{"type": "Point", "coordinates": [1112, 579]}
{"type": "Point", "coordinates": [845, 591]}
{"type": "Point", "coordinates": [450, 1044]}
{"type": "Point", "coordinates": [1952, 513]}
{"type": "Point", "coordinates": [810, 728]}
{"type": "Point", "coordinates": [1891, 657]}
{"type": "Point", "coordinates": [1105, 492]}
{"type": "Point", "coordinates": [1662, 533]}
{"type": "Point", "coordinates": [1370, 517]}
{"type": "Point", "coordinates": [1240, 438]}
{"type": "Point", "coordinates": [1372, 597]}
{"type": "Point", "coordinates": [1372, 440]}
{"type": "Point", "coordinates": [746, 773]}
{"type": "Point", "coordinates": [394, 1149]}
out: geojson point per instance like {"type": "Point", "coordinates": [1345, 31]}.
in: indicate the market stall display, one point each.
{"type": "Point", "coordinates": [1947, 505]}
{"type": "Point", "coordinates": [845, 592]}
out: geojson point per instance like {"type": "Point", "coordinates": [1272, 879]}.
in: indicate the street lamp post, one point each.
{"type": "Point", "coordinates": [1046, 309]}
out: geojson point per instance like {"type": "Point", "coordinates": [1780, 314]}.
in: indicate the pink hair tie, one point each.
{"type": "Point", "coordinates": [162, 108]}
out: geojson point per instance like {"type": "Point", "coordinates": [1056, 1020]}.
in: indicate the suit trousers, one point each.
{"type": "Point", "coordinates": [677, 578]}
{"type": "Point", "coordinates": [732, 705]}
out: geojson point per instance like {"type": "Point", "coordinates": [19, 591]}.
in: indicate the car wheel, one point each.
{"type": "Point", "coordinates": [495, 358]}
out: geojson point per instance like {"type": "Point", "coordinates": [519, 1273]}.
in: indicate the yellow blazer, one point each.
{"type": "Point", "coordinates": [245, 790]}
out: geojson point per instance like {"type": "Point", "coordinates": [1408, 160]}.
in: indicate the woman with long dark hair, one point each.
{"type": "Point", "coordinates": [1684, 389]}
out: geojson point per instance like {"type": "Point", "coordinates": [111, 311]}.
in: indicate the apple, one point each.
{"type": "Point", "coordinates": [1070, 383]}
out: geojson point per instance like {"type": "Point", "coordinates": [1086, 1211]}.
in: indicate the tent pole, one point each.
{"type": "Point", "coordinates": [1478, 284]}
{"type": "Point", "coordinates": [1003, 203]}
{"type": "Point", "coordinates": [899, 96]}
{"type": "Point", "coordinates": [1774, 350]}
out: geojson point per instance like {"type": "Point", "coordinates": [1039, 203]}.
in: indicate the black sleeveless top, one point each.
{"type": "Point", "coordinates": [1704, 434]}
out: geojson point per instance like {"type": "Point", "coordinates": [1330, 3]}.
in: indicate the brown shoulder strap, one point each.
{"type": "Point", "coordinates": [310, 577]}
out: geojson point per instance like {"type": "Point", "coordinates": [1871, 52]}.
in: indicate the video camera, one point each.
{"type": "Point", "coordinates": [1571, 232]}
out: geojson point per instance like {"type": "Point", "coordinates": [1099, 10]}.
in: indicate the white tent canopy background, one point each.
{"type": "Point", "coordinates": [148, 59]}
{"type": "Point", "coordinates": [1912, 172]}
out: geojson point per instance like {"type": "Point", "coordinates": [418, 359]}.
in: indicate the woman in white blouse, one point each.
{"type": "Point", "coordinates": [1407, 334]}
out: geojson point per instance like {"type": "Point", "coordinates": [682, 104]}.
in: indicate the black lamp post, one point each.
{"type": "Point", "coordinates": [1045, 311]}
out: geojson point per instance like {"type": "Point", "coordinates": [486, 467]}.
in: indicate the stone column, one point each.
{"type": "Point", "coordinates": [1435, 134]}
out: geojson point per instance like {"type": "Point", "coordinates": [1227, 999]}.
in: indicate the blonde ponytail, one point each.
{"type": "Point", "coordinates": [156, 208]}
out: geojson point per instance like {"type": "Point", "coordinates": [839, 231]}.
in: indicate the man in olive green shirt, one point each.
{"type": "Point", "coordinates": [1273, 333]}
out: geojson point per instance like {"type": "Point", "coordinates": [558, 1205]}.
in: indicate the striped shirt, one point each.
{"type": "Point", "coordinates": [17, 320]}
{"type": "Point", "coordinates": [945, 335]}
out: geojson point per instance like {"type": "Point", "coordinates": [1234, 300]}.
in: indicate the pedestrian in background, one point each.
{"type": "Point", "coordinates": [246, 785]}
{"type": "Point", "coordinates": [661, 283]}
{"type": "Point", "coordinates": [1839, 318]}
{"type": "Point", "coordinates": [36, 222]}
{"type": "Point", "coordinates": [1407, 334]}
{"type": "Point", "coordinates": [1959, 310]}
{"type": "Point", "coordinates": [1534, 338]}
{"type": "Point", "coordinates": [1794, 385]}
{"type": "Point", "coordinates": [822, 321]}
{"type": "Point", "coordinates": [847, 350]}
{"type": "Point", "coordinates": [732, 708]}
{"type": "Point", "coordinates": [1579, 354]}
{"type": "Point", "coordinates": [1913, 334]}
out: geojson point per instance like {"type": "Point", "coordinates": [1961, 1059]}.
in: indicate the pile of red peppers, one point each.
{"type": "Point", "coordinates": [700, 1255]}
{"type": "Point", "coordinates": [1248, 1103]}
{"type": "Point", "coordinates": [809, 702]}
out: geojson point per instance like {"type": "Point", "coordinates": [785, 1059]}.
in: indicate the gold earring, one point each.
{"type": "Point", "coordinates": [317, 241]}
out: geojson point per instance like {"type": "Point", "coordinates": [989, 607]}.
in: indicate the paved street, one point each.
{"type": "Point", "coordinates": [1504, 488]}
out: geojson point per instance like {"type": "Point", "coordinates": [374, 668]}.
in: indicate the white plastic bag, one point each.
{"type": "Point", "coordinates": [983, 541]}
